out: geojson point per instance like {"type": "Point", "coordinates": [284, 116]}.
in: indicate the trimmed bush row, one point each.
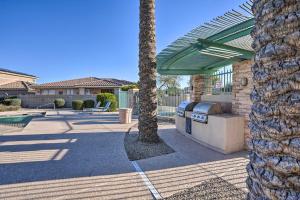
{"type": "Point", "coordinates": [104, 97]}
{"type": "Point", "coordinates": [77, 105]}
{"type": "Point", "coordinates": [89, 103]}
{"type": "Point", "coordinates": [4, 108]}
{"type": "Point", "coordinates": [59, 103]}
{"type": "Point", "coordinates": [128, 87]}
{"type": "Point", "coordinates": [12, 102]}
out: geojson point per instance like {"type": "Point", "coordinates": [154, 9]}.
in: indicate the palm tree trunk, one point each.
{"type": "Point", "coordinates": [274, 168]}
{"type": "Point", "coordinates": [147, 73]}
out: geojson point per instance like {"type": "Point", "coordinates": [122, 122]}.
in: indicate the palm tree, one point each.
{"type": "Point", "coordinates": [147, 73]}
{"type": "Point", "coordinates": [274, 168]}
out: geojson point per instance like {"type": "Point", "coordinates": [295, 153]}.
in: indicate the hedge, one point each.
{"type": "Point", "coordinates": [104, 97]}
{"type": "Point", "coordinates": [59, 103]}
{"type": "Point", "coordinates": [4, 108]}
{"type": "Point", "coordinates": [128, 87]}
{"type": "Point", "coordinates": [12, 102]}
{"type": "Point", "coordinates": [90, 103]}
{"type": "Point", "coordinates": [77, 105]}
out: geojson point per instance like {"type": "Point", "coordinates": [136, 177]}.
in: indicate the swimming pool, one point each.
{"type": "Point", "coordinates": [18, 120]}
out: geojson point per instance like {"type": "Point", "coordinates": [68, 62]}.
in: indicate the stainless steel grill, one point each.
{"type": "Point", "coordinates": [203, 109]}
{"type": "Point", "coordinates": [185, 106]}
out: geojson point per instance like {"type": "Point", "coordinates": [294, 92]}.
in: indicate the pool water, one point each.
{"type": "Point", "coordinates": [17, 120]}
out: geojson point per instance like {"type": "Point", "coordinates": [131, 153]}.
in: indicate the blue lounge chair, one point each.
{"type": "Point", "coordinates": [102, 109]}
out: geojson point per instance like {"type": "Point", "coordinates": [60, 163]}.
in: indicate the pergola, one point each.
{"type": "Point", "coordinates": [223, 41]}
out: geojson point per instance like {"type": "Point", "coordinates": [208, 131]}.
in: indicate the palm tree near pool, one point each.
{"type": "Point", "coordinates": [274, 168]}
{"type": "Point", "coordinates": [147, 73]}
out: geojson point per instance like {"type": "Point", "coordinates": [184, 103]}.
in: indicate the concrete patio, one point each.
{"type": "Point", "coordinates": [71, 155]}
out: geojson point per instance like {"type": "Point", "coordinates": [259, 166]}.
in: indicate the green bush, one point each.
{"type": "Point", "coordinates": [59, 103]}
{"type": "Point", "coordinates": [90, 103]}
{"type": "Point", "coordinates": [4, 108]}
{"type": "Point", "coordinates": [128, 87]}
{"type": "Point", "coordinates": [77, 105]}
{"type": "Point", "coordinates": [12, 102]}
{"type": "Point", "coordinates": [12, 97]}
{"type": "Point", "coordinates": [104, 97]}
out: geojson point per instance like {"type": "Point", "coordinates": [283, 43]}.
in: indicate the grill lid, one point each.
{"type": "Point", "coordinates": [187, 105]}
{"type": "Point", "coordinates": [208, 108]}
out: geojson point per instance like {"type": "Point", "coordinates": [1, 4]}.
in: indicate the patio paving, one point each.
{"type": "Point", "coordinates": [191, 165]}
{"type": "Point", "coordinates": [69, 155]}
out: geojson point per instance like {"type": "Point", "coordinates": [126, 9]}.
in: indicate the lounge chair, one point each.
{"type": "Point", "coordinates": [96, 107]}
{"type": "Point", "coordinates": [101, 109]}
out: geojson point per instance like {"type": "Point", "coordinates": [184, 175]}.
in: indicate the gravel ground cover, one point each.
{"type": "Point", "coordinates": [137, 150]}
{"type": "Point", "coordinates": [213, 189]}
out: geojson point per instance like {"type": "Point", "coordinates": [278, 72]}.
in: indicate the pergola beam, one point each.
{"type": "Point", "coordinates": [204, 44]}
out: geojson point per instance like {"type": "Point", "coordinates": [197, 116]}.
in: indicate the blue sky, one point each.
{"type": "Point", "coordinates": [65, 39]}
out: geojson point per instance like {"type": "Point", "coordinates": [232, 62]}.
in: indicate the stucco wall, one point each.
{"type": "Point", "coordinates": [33, 101]}
{"type": "Point", "coordinates": [9, 78]}
{"type": "Point", "coordinates": [241, 103]}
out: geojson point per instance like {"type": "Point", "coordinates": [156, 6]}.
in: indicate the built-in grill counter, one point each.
{"type": "Point", "coordinates": [183, 119]}
{"type": "Point", "coordinates": [212, 127]}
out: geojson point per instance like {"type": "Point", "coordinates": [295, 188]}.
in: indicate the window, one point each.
{"type": "Point", "coordinates": [70, 92]}
{"type": "Point", "coordinates": [45, 92]}
{"type": "Point", "coordinates": [51, 92]}
{"type": "Point", "coordinates": [87, 91]}
{"type": "Point", "coordinates": [219, 82]}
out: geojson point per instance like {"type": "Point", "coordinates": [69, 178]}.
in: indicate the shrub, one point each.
{"type": "Point", "coordinates": [12, 102]}
{"type": "Point", "coordinates": [90, 103]}
{"type": "Point", "coordinates": [12, 97]}
{"type": "Point", "coordinates": [59, 103]}
{"type": "Point", "coordinates": [128, 87]}
{"type": "Point", "coordinates": [2, 99]}
{"type": "Point", "coordinates": [104, 97]}
{"type": "Point", "coordinates": [77, 105]}
{"type": "Point", "coordinates": [4, 108]}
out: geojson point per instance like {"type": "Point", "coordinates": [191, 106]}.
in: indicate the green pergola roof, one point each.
{"type": "Point", "coordinates": [223, 41]}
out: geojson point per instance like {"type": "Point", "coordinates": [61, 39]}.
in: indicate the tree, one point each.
{"type": "Point", "coordinates": [168, 81]}
{"type": "Point", "coordinates": [274, 168]}
{"type": "Point", "coordinates": [147, 73]}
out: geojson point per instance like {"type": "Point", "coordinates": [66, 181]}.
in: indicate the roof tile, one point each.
{"type": "Point", "coordinates": [85, 82]}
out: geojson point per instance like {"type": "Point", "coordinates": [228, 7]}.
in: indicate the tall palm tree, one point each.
{"type": "Point", "coordinates": [147, 73]}
{"type": "Point", "coordinates": [274, 168]}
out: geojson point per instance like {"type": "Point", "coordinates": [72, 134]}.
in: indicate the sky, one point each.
{"type": "Point", "coordinates": [65, 39]}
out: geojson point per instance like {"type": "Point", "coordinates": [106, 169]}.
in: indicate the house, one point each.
{"type": "Point", "coordinates": [81, 86]}
{"type": "Point", "coordinates": [16, 83]}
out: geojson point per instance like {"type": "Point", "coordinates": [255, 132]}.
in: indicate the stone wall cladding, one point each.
{"type": "Point", "coordinates": [241, 103]}
{"type": "Point", "coordinates": [198, 83]}
{"type": "Point", "coordinates": [34, 101]}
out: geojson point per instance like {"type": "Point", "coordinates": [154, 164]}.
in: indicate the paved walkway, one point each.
{"type": "Point", "coordinates": [191, 165]}
{"type": "Point", "coordinates": [69, 155]}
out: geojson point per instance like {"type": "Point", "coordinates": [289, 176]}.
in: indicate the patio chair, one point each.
{"type": "Point", "coordinates": [96, 107]}
{"type": "Point", "coordinates": [102, 109]}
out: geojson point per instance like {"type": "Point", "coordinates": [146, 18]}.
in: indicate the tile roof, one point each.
{"type": "Point", "coordinates": [18, 85]}
{"type": "Point", "coordinates": [85, 82]}
{"type": "Point", "coordinates": [15, 72]}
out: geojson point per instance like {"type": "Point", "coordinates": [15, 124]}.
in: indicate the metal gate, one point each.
{"type": "Point", "coordinates": [123, 99]}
